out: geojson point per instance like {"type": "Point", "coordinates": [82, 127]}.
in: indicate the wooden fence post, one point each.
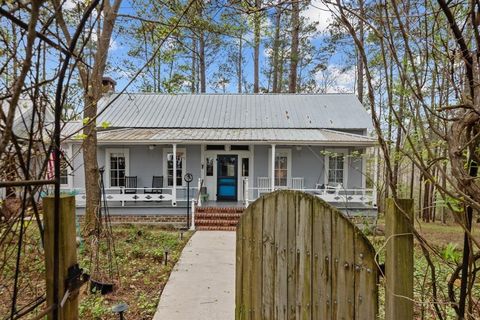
{"type": "Point", "coordinates": [67, 253]}
{"type": "Point", "coordinates": [399, 259]}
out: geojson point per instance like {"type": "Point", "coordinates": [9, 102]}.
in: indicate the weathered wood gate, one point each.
{"type": "Point", "coordinates": [300, 258]}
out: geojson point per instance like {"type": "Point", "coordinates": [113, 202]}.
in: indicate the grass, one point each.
{"type": "Point", "coordinates": [446, 241]}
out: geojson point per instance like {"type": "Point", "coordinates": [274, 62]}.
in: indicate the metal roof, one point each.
{"type": "Point", "coordinates": [148, 110]}
{"type": "Point", "coordinates": [24, 112]}
{"type": "Point", "coordinates": [296, 136]}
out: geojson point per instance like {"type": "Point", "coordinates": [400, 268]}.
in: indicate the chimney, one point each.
{"type": "Point", "coordinates": [108, 85]}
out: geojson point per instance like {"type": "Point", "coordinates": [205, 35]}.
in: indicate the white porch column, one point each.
{"type": "Point", "coordinates": [199, 196]}
{"type": "Point", "coordinates": [245, 191]}
{"type": "Point", "coordinates": [272, 182]}
{"type": "Point", "coordinates": [174, 190]}
{"type": "Point", "coordinates": [192, 225]}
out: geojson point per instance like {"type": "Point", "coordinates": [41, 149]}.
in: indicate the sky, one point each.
{"type": "Point", "coordinates": [316, 12]}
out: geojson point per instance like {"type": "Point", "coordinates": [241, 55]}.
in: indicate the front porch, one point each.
{"type": "Point", "coordinates": [194, 213]}
{"type": "Point", "coordinates": [168, 201]}
{"type": "Point", "coordinates": [147, 179]}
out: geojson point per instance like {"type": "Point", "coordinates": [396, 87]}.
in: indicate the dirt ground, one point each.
{"type": "Point", "coordinates": [143, 273]}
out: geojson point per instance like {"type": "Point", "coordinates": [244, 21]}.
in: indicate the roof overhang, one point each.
{"type": "Point", "coordinates": [322, 137]}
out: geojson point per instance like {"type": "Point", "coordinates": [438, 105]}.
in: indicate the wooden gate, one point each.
{"type": "Point", "coordinates": [300, 258]}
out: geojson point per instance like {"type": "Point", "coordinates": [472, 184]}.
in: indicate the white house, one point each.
{"type": "Point", "coordinates": [236, 146]}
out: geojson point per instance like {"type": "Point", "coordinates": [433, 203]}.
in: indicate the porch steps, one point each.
{"type": "Point", "coordinates": [217, 218]}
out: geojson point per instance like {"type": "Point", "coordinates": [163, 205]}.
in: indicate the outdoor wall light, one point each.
{"type": "Point", "coordinates": [151, 147]}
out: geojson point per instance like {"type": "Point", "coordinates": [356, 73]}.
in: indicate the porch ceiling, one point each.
{"type": "Point", "coordinates": [254, 136]}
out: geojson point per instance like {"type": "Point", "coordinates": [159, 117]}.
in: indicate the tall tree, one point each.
{"type": "Point", "coordinates": [294, 53]}
{"type": "Point", "coordinates": [201, 47]}
{"type": "Point", "coordinates": [361, 38]}
{"type": "Point", "coordinates": [256, 45]}
{"type": "Point", "coordinates": [276, 49]}
{"type": "Point", "coordinates": [91, 81]}
{"type": "Point", "coordinates": [433, 99]}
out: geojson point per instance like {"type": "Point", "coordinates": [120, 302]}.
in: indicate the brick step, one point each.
{"type": "Point", "coordinates": [218, 222]}
{"type": "Point", "coordinates": [220, 209]}
{"type": "Point", "coordinates": [217, 218]}
{"type": "Point", "coordinates": [215, 228]}
{"type": "Point", "coordinates": [217, 215]}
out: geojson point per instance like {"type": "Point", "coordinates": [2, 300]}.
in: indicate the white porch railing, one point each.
{"type": "Point", "coordinates": [122, 196]}
{"type": "Point", "coordinates": [264, 184]}
{"type": "Point", "coordinates": [329, 194]}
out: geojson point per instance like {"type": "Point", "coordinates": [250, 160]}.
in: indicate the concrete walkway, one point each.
{"type": "Point", "coordinates": [202, 284]}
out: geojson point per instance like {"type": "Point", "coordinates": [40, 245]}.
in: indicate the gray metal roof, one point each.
{"type": "Point", "coordinates": [296, 136]}
{"type": "Point", "coordinates": [144, 110]}
{"type": "Point", "coordinates": [23, 117]}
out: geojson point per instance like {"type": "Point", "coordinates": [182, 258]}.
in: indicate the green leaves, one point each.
{"type": "Point", "coordinates": [105, 124]}
{"type": "Point", "coordinates": [452, 203]}
{"type": "Point", "coordinates": [80, 136]}
{"type": "Point", "coordinates": [450, 253]}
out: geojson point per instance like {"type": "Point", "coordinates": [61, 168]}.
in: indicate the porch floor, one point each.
{"type": "Point", "coordinates": [223, 204]}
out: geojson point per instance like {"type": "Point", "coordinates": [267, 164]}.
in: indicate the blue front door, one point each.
{"type": "Point", "coordinates": [227, 166]}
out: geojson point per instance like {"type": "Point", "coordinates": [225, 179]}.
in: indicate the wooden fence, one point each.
{"type": "Point", "coordinates": [300, 258]}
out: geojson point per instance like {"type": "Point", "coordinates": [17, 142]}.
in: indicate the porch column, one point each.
{"type": "Point", "coordinates": [272, 182]}
{"type": "Point", "coordinates": [174, 190]}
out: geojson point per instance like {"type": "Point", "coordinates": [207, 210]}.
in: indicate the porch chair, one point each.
{"type": "Point", "coordinates": [130, 185]}
{"type": "Point", "coordinates": [157, 185]}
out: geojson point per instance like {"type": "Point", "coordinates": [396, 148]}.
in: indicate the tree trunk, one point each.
{"type": "Point", "coordinates": [239, 67]}
{"type": "Point", "coordinates": [412, 180]}
{"type": "Point", "coordinates": [361, 37]}
{"type": "Point", "coordinates": [256, 46]}
{"type": "Point", "coordinates": [203, 86]}
{"type": "Point", "coordinates": [420, 189]}
{"type": "Point", "coordinates": [280, 68]}
{"type": "Point", "coordinates": [292, 85]}
{"type": "Point", "coordinates": [276, 48]}
{"type": "Point", "coordinates": [159, 72]}
{"type": "Point", "coordinates": [92, 187]}
{"type": "Point", "coordinates": [194, 65]}
{"type": "Point", "coordinates": [93, 91]}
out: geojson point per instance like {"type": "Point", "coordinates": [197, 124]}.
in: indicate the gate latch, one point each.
{"type": "Point", "coordinates": [75, 279]}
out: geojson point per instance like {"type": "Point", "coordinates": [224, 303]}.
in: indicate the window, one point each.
{"type": "Point", "coordinates": [117, 166]}
{"type": "Point", "coordinates": [239, 147]}
{"type": "Point", "coordinates": [283, 167]}
{"type": "Point", "coordinates": [215, 147]}
{"type": "Point", "coordinates": [63, 170]}
{"type": "Point", "coordinates": [65, 167]}
{"type": "Point", "coordinates": [117, 169]}
{"type": "Point", "coordinates": [179, 161]}
{"type": "Point", "coordinates": [335, 169]}
{"type": "Point", "coordinates": [227, 166]}
{"type": "Point", "coordinates": [209, 167]}
{"type": "Point", "coordinates": [281, 170]}
{"type": "Point", "coordinates": [245, 167]}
